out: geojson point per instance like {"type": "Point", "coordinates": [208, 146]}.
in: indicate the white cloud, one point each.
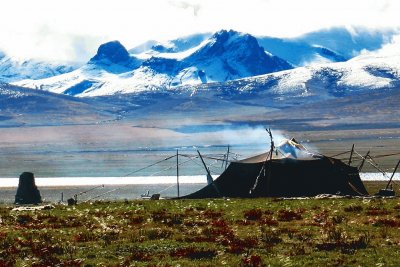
{"type": "Point", "coordinates": [73, 29]}
{"type": "Point", "coordinates": [392, 48]}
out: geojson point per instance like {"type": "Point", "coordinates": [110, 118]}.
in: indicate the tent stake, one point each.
{"type": "Point", "coordinates": [395, 169]}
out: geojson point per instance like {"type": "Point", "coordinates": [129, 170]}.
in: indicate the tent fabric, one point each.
{"type": "Point", "coordinates": [286, 177]}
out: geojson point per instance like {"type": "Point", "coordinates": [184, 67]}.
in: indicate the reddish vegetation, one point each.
{"type": "Point", "coordinates": [289, 215]}
{"type": "Point", "coordinates": [254, 214]}
{"type": "Point", "coordinates": [201, 233]}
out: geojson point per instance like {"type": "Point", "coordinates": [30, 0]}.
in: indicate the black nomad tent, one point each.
{"type": "Point", "coordinates": [292, 171]}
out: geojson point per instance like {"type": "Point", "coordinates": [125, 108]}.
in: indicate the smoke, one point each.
{"type": "Point", "coordinates": [255, 138]}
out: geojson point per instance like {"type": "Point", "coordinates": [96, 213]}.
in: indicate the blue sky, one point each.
{"type": "Point", "coordinates": [73, 29]}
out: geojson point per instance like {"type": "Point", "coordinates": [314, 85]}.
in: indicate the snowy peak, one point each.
{"type": "Point", "coordinates": [232, 42]}
{"type": "Point", "coordinates": [240, 53]}
{"type": "Point", "coordinates": [112, 53]}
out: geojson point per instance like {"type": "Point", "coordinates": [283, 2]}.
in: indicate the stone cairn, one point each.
{"type": "Point", "coordinates": [27, 192]}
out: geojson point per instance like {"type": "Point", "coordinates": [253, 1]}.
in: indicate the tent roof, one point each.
{"type": "Point", "coordinates": [289, 148]}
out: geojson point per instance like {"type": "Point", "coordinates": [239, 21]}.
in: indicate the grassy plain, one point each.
{"type": "Point", "coordinates": [209, 232]}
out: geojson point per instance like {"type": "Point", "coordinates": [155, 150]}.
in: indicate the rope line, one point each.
{"type": "Point", "coordinates": [170, 167]}
{"type": "Point", "coordinates": [386, 155]}
{"type": "Point", "coordinates": [376, 157]}
{"type": "Point", "coordinates": [340, 154]}
{"type": "Point", "coordinates": [151, 165]}
{"type": "Point", "coordinates": [167, 188]}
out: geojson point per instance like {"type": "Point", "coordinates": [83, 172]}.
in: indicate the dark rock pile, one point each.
{"type": "Point", "coordinates": [27, 192]}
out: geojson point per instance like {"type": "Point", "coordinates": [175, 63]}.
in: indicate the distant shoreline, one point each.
{"type": "Point", "coordinates": [65, 182]}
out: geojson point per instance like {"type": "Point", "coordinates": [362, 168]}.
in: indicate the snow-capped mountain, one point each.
{"type": "Point", "coordinates": [227, 55]}
{"type": "Point", "coordinates": [238, 55]}
{"type": "Point", "coordinates": [14, 70]}
{"type": "Point", "coordinates": [300, 53]}
{"type": "Point", "coordinates": [113, 57]}
{"type": "Point", "coordinates": [365, 73]}
{"type": "Point", "coordinates": [326, 45]}
{"type": "Point", "coordinates": [373, 71]}
{"type": "Point", "coordinates": [322, 46]}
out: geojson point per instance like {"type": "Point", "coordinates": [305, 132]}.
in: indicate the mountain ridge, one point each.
{"type": "Point", "coordinates": [227, 55]}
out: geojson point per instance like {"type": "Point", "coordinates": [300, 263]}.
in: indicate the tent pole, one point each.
{"type": "Point", "coordinates": [177, 170]}
{"type": "Point", "coordinates": [227, 158]}
{"type": "Point", "coordinates": [363, 161]}
{"type": "Point", "coordinates": [351, 154]}
{"type": "Point", "coordinates": [204, 164]}
{"type": "Point", "coordinates": [209, 174]}
{"type": "Point", "coordinates": [395, 169]}
{"type": "Point", "coordinates": [270, 159]}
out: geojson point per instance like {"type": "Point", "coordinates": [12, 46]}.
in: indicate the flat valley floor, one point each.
{"type": "Point", "coordinates": [117, 149]}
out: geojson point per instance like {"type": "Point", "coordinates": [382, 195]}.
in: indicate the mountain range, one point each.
{"type": "Point", "coordinates": [203, 58]}
{"type": "Point", "coordinates": [223, 78]}
{"type": "Point", "coordinates": [226, 55]}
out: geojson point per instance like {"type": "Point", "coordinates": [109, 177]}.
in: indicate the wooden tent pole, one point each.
{"type": "Point", "coordinates": [204, 164]}
{"type": "Point", "coordinates": [209, 174]}
{"type": "Point", "coordinates": [363, 161]}
{"type": "Point", "coordinates": [227, 158]}
{"type": "Point", "coordinates": [270, 158]}
{"type": "Point", "coordinates": [395, 169]}
{"type": "Point", "coordinates": [351, 154]}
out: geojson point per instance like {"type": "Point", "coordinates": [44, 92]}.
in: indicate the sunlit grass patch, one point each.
{"type": "Point", "coordinates": [231, 232]}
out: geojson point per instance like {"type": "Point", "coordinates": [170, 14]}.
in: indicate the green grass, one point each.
{"type": "Point", "coordinates": [211, 232]}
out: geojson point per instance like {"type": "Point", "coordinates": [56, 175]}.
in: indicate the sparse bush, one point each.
{"type": "Point", "coordinates": [270, 237]}
{"type": "Point", "coordinates": [253, 214]}
{"type": "Point", "coordinates": [338, 219]}
{"type": "Point", "coordinates": [269, 221]}
{"type": "Point", "coordinates": [353, 208]}
{"type": "Point", "coordinates": [384, 222]}
{"type": "Point", "coordinates": [85, 236]}
{"type": "Point", "coordinates": [251, 261]}
{"type": "Point", "coordinates": [289, 215]}
{"type": "Point", "coordinates": [157, 233]}
{"type": "Point", "coordinates": [194, 253]}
